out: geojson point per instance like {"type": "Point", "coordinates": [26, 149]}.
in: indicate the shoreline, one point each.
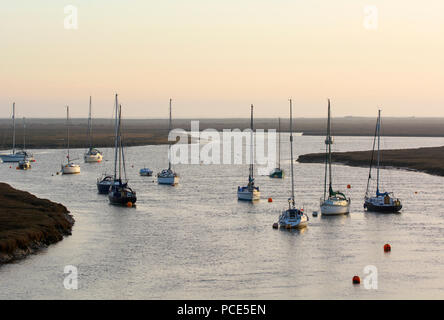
{"type": "Point", "coordinates": [428, 160]}
{"type": "Point", "coordinates": [28, 223]}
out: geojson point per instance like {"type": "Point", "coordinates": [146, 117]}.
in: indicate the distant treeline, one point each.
{"type": "Point", "coordinates": [51, 133]}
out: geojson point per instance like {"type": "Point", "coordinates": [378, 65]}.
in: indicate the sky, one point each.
{"type": "Point", "coordinates": [215, 58]}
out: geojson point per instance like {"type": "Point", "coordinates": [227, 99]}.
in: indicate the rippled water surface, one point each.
{"type": "Point", "coordinates": [196, 241]}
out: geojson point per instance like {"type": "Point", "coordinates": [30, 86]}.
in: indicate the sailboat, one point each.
{"type": "Point", "coordinates": [69, 167]}
{"type": "Point", "coordinates": [250, 192]}
{"type": "Point", "coordinates": [15, 156]}
{"type": "Point", "coordinates": [120, 192]}
{"type": "Point", "coordinates": [292, 217]}
{"type": "Point", "coordinates": [92, 155]}
{"type": "Point", "coordinates": [333, 202]}
{"type": "Point", "coordinates": [278, 172]}
{"type": "Point", "coordinates": [24, 164]}
{"type": "Point", "coordinates": [168, 176]}
{"type": "Point", "coordinates": [383, 201]}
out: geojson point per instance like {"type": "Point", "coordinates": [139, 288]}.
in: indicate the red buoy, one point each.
{"type": "Point", "coordinates": [387, 248]}
{"type": "Point", "coordinates": [349, 186]}
{"type": "Point", "coordinates": [356, 280]}
{"type": "Point", "coordinates": [270, 200]}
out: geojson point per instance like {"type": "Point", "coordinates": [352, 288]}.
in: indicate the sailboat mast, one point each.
{"type": "Point", "coordinates": [279, 155]}
{"type": "Point", "coordinates": [13, 128]}
{"type": "Point", "coordinates": [24, 133]}
{"type": "Point", "coordinates": [379, 141]}
{"type": "Point", "coordinates": [67, 128]}
{"type": "Point", "coordinates": [291, 153]}
{"type": "Point", "coordinates": [251, 146]}
{"type": "Point", "coordinates": [120, 143]}
{"type": "Point", "coordinates": [329, 141]}
{"type": "Point", "coordinates": [326, 156]}
{"type": "Point", "coordinates": [116, 146]}
{"type": "Point", "coordinates": [169, 130]}
{"type": "Point", "coordinates": [90, 125]}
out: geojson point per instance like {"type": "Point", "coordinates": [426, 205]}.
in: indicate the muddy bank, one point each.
{"type": "Point", "coordinates": [28, 223]}
{"type": "Point", "coordinates": [428, 160]}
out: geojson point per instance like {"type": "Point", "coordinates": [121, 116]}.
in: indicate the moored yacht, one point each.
{"type": "Point", "coordinates": [382, 201]}
{"type": "Point", "coordinates": [70, 167]}
{"type": "Point", "coordinates": [278, 172]}
{"type": "Point", "coordinates": [250, 192]}
{"type": "Point", "coordinates": [120, 193]}
{"type": "Point", "coordinates": [92, 155]}
{"type": "Point", "coordinates": [292, 218]}
{"type": "Point", "coordinates": [333, 202]}
{"type": "Point", "coordinates": [16, 156]}
{"type": "Point", "coordinates": [168, 176]}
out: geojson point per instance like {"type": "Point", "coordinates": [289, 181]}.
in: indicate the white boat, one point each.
{"type": "Point", "coordinates": [250, 192]}
{"type": "Point", "coordinates": [17, 156]}
{"type": "Point", "coordinates": [92, 155]}
{"type": "Point", "coordinates": [382, 201]}
{"type": "Point", "coordinates": [69, 167]}
{"type": "Point", "coordinates": [168, 176]}
{"type": "Point", "coordinates": [333, 202]}
{"type": "Point", "coordinates": [292, 218]}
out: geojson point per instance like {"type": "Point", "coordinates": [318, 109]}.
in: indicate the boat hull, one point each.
{"type": "Point", "coordinates": [248, 195]}
{"type": "Point", "coordinates": [15, 157]}
{"type": "Point", "coordinates": [293, 223]}
{"type": "Point", "coordinates": [70, 169]}
{"type": "Point", "coordinates": [91, 158]}
{"type": "Point", "coordinates": [277, 173]}
{"type": "Point", "coordinates": [334, 209]}
{"type": "Point", "coordinates": [382, 208]}
{"type": "Point", "coordinates": [121, 196]}
{"type": "Point", "coordinates": [168, 180]}
{"type": "Point", "coordinates": [103, 188]}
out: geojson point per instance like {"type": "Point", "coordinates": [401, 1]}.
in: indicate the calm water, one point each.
{"type": "Point", "coordinates": [196, 241]}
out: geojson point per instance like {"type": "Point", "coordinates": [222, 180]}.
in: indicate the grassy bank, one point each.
{"type": "Point", "coordinates": [28, 223]}
{"type": "Point", "coordinates": [428, 160]}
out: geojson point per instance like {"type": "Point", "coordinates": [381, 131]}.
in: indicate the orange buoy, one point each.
{"type": "Point", "coordinates": [17, 168]}
{"type": "Point", "coordinates": [349, 186]}
{"type": "Point", "coordinates": [356, 280]}
{"type": "Point", "coordinates": [270, 200]}
{"type": "Point", "coordinates": [275, 225]}
{"type": "Point", "coordinates": [387, 248]}
{"type": "Point", "coordinates": [129, 204]}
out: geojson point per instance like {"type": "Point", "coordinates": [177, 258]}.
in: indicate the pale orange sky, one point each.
{"type": "Point", "coordinates": [214, 58]}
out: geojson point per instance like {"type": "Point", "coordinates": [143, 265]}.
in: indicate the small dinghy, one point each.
{"type": "Point", "coordinates": [383, 201]}
{"type": "Point", "coordinates": [146, 172]}
{"type": "Point", "coordinates": [292, 218]}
